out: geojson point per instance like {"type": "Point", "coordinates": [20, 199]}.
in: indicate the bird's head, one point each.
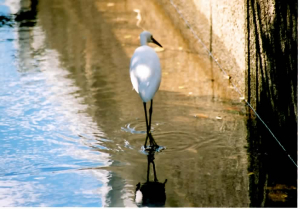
{"type": "Point", "coordinates": [146, 37]}
{"type": "Point", "coordinates": [138, 186]}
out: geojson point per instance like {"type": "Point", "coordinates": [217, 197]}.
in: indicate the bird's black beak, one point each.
{"type": "Point", "coordinates": [155, 42]}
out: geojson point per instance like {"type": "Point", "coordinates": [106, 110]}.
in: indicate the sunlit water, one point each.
{"type": "Point", "coordinates": [71, 128]}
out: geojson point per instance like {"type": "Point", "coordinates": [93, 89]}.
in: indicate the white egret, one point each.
{"type": "Point", "coordinates": [145, 75]}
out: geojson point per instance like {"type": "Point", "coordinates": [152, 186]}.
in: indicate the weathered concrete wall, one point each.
{"type": "Point", "coordinates": [227, 21]}
{"type": "Point", "coordinates": [221, 27]}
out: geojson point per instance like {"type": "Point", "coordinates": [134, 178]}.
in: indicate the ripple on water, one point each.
{"type": "Point", "coordinates": [177, 141]}
{"type": "Point", "coordinates": [132, 128]}
{"type": "Point", "coordinates": [168, 141]}
{"type": "Point", "coordinates": [138, 126]}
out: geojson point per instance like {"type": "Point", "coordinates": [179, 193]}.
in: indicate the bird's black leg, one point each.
{"type": "Point", "coordinates": [150, 113]}
{"type": "Point", "coordinates": [145, 109]}
{"type": "Point", "coordinates": [152, 142]}
{"type": "Point", "coordinates": [154, 172]}
{"type": "Point", "coordinates": [148, 170]}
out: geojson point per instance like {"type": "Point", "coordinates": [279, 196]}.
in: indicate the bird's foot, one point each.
{"type": "Point", "coordinates": [153, 147]}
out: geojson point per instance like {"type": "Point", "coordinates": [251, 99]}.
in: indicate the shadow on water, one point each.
{"type": "Point", "coordinates": [26, 16]}
{"type": "Point", "coordinates": [5, 21]}
{"type": "Point", "coordinates": [27, 13]}
{"type": "Point", "coordinates": [272, 90]}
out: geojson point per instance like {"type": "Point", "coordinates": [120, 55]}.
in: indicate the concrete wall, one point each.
{"type": "Point", "coordinates": [220, 25]}
{"type": "Point", "coordinates": [227, 21]}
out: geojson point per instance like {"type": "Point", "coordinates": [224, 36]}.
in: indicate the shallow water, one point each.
{"type": "Point", "coordinates": [72, 128]}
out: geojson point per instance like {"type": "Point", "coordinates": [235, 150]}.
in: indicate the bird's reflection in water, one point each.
{"type": "Point", "coordinates": [151, 193]}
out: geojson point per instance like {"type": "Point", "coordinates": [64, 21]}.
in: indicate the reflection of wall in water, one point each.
{"type": "Point", "coordinates": [272, 90]}
{"type": "Point", "coordinates": [26, 19]}
{"type": "Point", "coordinates": [72, 30]}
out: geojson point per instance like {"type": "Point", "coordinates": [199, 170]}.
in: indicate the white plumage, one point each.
{"type": "Point", "coordinates": [145, 71]}
{"type": "Point", "coordinates": [138, 197]}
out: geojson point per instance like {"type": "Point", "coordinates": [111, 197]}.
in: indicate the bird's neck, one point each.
{"type": "Point", "coordinates": [143, 41]}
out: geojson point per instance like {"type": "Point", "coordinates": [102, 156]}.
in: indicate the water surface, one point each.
{"type": "Point", "coordinates": [72, 128]}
